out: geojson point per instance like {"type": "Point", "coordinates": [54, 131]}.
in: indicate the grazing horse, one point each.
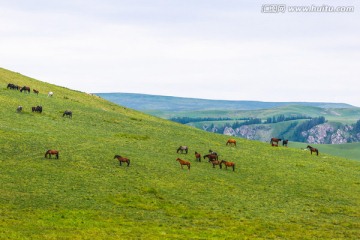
{"type": "Point", "coordinates": [275, 142]}
{"type": "Point", "coordinates": [25, 88]}
{"type": "Point", "coordinates": [182, 149]}
{"type": "Point", "coordinates": [216, 162]}
{"type": "Point", "coordinates": [228, 164]}
{"type": "Point", "coordinates": [312, 149]}
{"type": "Point", "coordinates": [50, 94]}
{"type": "Point", "coordinates": [285, 143]}
{"type": "Point", "coordinates": [36, 91]}
{"type": "Point", "coordinates": [67, 113]}
{"type": "Point", "coordinates": [52, 152]}
{"type": "Point", "coordinates": [211, 157]}
{"type": "Point", "coordinates": [198, 156]}
{"type": "Point", "coordinates": [37, 109]}
{"type": "Point", "coordinates": [183, 162]}
{"type": "Point", "coordinates": [19, 108]}
{"type": "Point", "coordinates": [122, 159]}
{"type": "Point", "coordinates": [231, 142]}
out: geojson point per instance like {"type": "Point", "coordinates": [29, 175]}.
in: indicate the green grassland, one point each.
{"type": "Point", "coordinates": [274, 193]}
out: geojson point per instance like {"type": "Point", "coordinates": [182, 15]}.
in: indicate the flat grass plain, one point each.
{"type": "Point", "coordinates": [274, 192]}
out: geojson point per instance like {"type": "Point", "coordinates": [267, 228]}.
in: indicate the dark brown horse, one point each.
{"type": "Point", "coordinates": [183, 162]}
{"type": "Point", "coordinates": [67, 113]}
{"type": "Point", "coordinates": [25, 88]}
{"type": "Point", "coordinates": [275, 142]}
{"type": "Point", "coordinates": [198, 156]}
{"type": "Point", "coordinates": [37, 109]}
{"type": "Point", "coordinates": [52, 152]}
{"type": "Point", "coordinates": [211, 157]}
{"type": "Point", "coordinates": [228, 164]}
{"type": "Point", "coordinates": [182, 149]}
{"type": "Point", "coordinates": [122, 159]}
{"type": "Point", "coordinates": [36, 91]}
{"type": "Point", "coordinates": [285, 143]}
{"type": "Point", "coordinates": [312, 149]}
{"type": "Point", "coordinates": [231, 142]}
{"type": "Point", "coordinates": [216, 162]}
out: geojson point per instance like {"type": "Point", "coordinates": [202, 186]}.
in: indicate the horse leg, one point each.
{"type": "Point", "coordinates": [120, 163]}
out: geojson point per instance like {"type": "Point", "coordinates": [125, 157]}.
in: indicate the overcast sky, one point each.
{"type": "Point", "coordinates": [213, 49]}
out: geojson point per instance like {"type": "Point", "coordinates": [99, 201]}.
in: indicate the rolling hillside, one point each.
{"type": "Point", "coordinates": [280, 193]}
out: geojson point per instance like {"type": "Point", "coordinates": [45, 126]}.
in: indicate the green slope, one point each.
{"type": "Point", "coordinates": [279, 192]}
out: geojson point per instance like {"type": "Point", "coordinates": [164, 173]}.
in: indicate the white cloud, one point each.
{"type": "Point", "coordinates": [206, 49]}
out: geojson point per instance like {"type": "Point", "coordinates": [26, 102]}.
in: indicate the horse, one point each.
{"type": "Point", "coordinates": [183, 162]}
{"type": "Point", "coordinates": [231, 142]}
{"type": "Point", "coordinates": [50, 94]}
{"type": "Point", "coordinates": [12, 86]}
{"type": "Point", "coordinates": [228, 164]}
{"type": "Point", "coordinates": [25, 88]}
{"type": "Point", "coordinates": [122, 159]}
{"type": "Point", "coordinates": [312, 149]}
{"type": "Point", "coordinates": [36, 91]}
{"type": "Point", "coordinates": [52, 152]}
{"type": "Point", "coordinates": [67, 113]}
{"type": "Point", "coordinates": [211, 157]}
{"type": "Point", "coordinates": [216, 162]}
{"type": "Point", "coordinates": [285, 143]}
{"type": "Point", "coordinates": [275, 142]}
{"type": "Point", "coordinates": [198, 156]}
{"type": "Point", "coordinates": [37, 109]}
{"type": "Point", "coordinates": [182, 149]}
{"type": "Point", "coordinates": [19, 108]}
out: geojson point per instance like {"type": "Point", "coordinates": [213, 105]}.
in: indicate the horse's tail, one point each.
{"type": "Point", "coordinates": [128, 162]}
{"type": "Point", "coordinates": [234, 167]}
{"type": "Point", "coordinates": [46, 153]}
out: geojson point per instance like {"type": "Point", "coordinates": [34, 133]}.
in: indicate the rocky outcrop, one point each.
{"type": "Point", "coordinates": [325, 133]}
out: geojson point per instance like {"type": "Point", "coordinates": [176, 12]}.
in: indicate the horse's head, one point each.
{"type": "Point", "coordinates": [117, 156]}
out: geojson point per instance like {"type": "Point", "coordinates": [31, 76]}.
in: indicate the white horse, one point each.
{"type": "Point", "coordinates": [50, 94]}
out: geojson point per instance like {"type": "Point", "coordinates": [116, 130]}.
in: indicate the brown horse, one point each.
{"type": "Point", "coordinates": [25, 88]}
{"type": "Point", "coordinates": [183, 162]}
{"type": "Point", "coordinates": [216, 162]}
{"type": "Point", "coordinates": [285, 143]}
{"type": "Point", "coordinates": [231, 142]}
{"type": "Point", "coordinates": [122, 159]}
{"type": "Point", "coordinates": [36, 91]}
{"type": "Point", "coordinates": [198, 156]}
{"type": "Point", "coordinates": [312, 149]}
{"type": "Point", "coordinates": [211, 157]}
{"type": "Point", "coordinates": [275, 142]}
{"type": "Point", "coordinates": [228, 164]}
{"type": "Point", "coordinates": [52, 152]}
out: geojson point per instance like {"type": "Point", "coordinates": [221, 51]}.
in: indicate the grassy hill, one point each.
{"type": "Point", "coordinates": [281, 193]}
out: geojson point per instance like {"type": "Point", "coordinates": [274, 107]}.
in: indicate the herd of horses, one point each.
{"type": "Point", "coordinates": [213, 157]}
{"type": "Point", "coordinates": [38, 108]}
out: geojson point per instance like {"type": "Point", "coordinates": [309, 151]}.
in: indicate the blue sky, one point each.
{"type": "Point", "coordinates": [203, 49]}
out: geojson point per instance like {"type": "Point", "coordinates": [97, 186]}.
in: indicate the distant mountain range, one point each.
{"type": "Point", "coordinates": [148, 103]}
{"type": "Point", "coordinates": [308, 122]}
